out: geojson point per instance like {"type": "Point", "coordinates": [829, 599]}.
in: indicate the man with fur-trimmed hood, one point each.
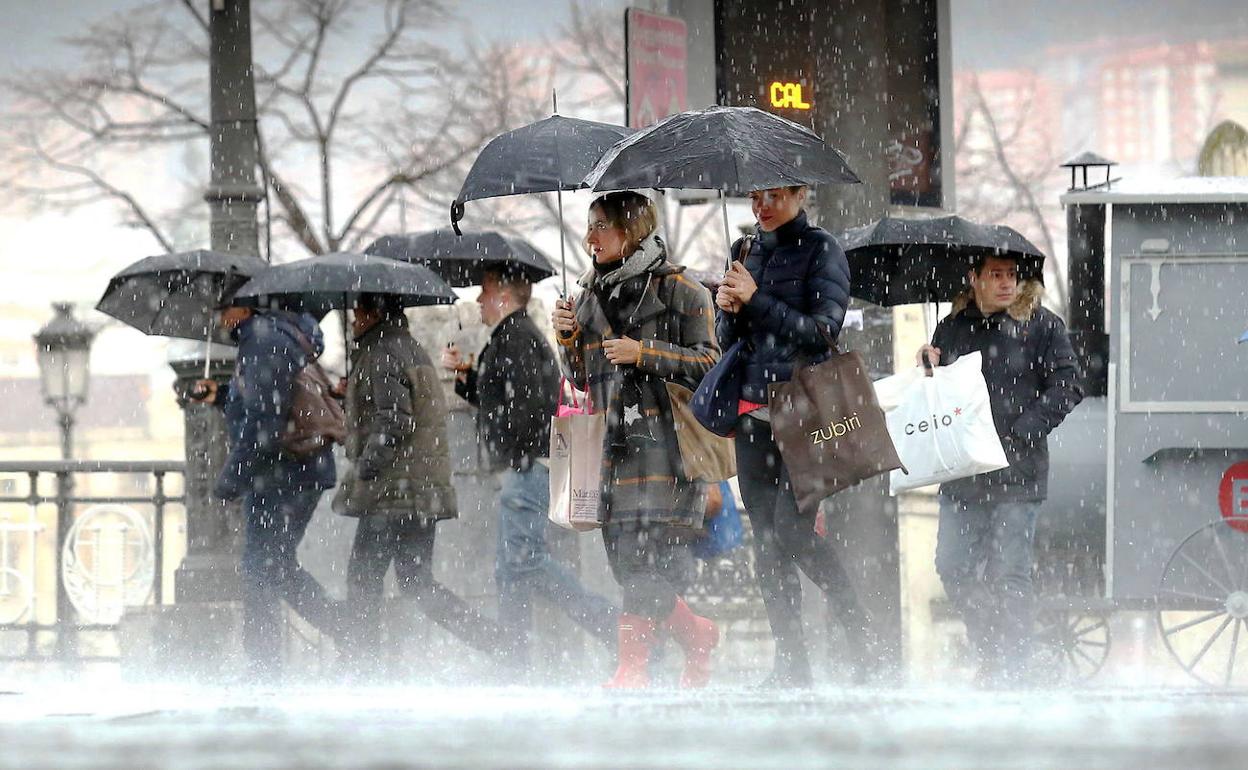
{"type": "Point", "coordinates": [988, 522]}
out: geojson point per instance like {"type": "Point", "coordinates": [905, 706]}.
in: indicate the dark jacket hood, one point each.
{"type": "Point", "coordinates": [288, 323]}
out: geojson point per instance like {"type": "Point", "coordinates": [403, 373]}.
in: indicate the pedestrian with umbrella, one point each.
{"type": "Point", "coordinates": [513, 383]}
{"type": "Point", "coordinates": [637, 325]}
{"type": "Point", "coordinates": [279, 480]}
{"type": "Point", "coordinates": [781, 300]}
{"type": "Point", "coordinates": [986, 533]}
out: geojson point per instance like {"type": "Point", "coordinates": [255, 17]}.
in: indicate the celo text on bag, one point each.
{"type": "Point", "coordinates": [923, 426]}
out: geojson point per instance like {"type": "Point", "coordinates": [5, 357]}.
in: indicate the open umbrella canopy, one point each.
{"type": "Point", "coordinates": [732, 149]}
{"type": "Point", "coordinates": [176, 295]}
{"type": "Point", "coordinates": [332, 281]}
{"type": "Point", "coordinates": [461, 260]}
{"type": "Point", "coordinates": [903, 261]}
{"type": "Point", "coordinates": [552, 154]}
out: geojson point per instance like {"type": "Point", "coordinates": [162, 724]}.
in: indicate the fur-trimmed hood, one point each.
{"type": "Point", "coordinates": [1030, 292]}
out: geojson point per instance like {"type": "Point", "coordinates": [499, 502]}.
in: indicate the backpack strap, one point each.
{"type": "Point", "coordinates": [305, 345]}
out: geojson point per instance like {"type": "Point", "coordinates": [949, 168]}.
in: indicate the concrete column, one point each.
{"type": "Point", "coordinates": [851, 111]}
{"type": "Point", "coordinates": [209, 572]}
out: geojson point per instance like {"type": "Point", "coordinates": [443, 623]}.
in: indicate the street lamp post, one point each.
{"type": "Point", "coordinates": [63, 349]}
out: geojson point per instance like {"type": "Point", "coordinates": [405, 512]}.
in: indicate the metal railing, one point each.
{"type": "Point", "coordinates": [108, 531]}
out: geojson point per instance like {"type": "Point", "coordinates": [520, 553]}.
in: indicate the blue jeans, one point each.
{"type": "Point", "coordinates": [275, 522]}
{"type": "Point", "coordinates": [524, 567]}
{"type": "Point", "coordinates": [984, 556]}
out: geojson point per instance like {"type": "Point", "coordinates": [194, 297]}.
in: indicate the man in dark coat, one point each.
{"type": "Point", "coordinates": [399, 483]}
{"type": "Point", "coordinates": [279, 491]}
{"type": "Point", "coordinates": [515, 385]}
{"type": "Point", "coordinates": [988, 521]}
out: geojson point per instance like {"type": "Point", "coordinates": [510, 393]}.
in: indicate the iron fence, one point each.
{"type": "Point", "coordinates": [107, 555]}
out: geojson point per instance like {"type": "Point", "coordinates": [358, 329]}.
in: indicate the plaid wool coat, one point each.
{"type": "Point", "coordinates": [673, 318]}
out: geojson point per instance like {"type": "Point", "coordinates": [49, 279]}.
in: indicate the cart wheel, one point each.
{"type": "Point", "coordinates": [1202, 602]}
{"type": "Point", "coordinates": [1076, 643]}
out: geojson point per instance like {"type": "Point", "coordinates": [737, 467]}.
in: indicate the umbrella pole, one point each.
{"type": "Point", "coordinates": [723, 207]}
{"type": "Point", "coordinates": [208, 352]}
{"type": "Point", "coordinates": [563, 259]}
{"type": "Point", "coordinates": [346, 337]}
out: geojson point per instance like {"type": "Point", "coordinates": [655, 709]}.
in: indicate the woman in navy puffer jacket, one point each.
{"type": "Point", "coordinates": [786, 301]}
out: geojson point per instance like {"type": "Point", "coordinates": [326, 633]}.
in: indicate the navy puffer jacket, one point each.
{"type": "Point", "coordinates": [803, 285]}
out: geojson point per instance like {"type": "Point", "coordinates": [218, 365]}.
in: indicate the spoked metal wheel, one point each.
{"type": "Point", "coordinates": [1202, 602]}
{"type": "Point", "coordinates": [1074, 642]}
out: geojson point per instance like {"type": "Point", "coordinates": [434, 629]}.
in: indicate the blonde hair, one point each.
{"type": "Point", "coordinates": [631, 212]}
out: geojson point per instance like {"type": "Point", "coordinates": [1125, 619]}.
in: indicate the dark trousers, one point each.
{"type": "Point", "coordinates": [276, 520]}
{"type": "Point", "coordinates": [407, 542]}
{"type": "Point", "coordinates": [649, 566]}
{"type": "Point", "coordinates": [784, 541]}
{"type": "Point", "coordinates": [524, 567]}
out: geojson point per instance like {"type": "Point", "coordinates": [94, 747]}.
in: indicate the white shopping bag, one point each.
{"type": "Point", "coordinates": [576, 439]}
{"type": "Point", "coordinates": [941, 425]}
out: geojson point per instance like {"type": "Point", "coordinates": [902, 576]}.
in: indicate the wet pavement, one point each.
{"type": "Point", "coordinates": [125, 726]}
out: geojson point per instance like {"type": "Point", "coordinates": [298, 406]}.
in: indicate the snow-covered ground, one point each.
{"type": "Point", "coordinates": [68, 726]}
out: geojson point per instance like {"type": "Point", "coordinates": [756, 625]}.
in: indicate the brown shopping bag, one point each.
{"type": "Point", "coordinates": [576, 439]}
{"type": "Point", "coordinates": [830, 429]}
{"type": "Point", "coordinates": [704, 455]}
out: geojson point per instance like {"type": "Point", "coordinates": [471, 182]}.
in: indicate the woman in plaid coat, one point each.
{"type": "Point", "coordinates": [637, 324]}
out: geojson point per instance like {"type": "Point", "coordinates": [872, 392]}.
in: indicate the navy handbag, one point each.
{"type": "Point", "coordinates": [716, 402]}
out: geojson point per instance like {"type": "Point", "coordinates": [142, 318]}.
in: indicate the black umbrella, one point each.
{"type": "Point", "coordinates": [333, 281]}
{"type": "Point", "coordinates": [731, 149]}
{"type": "Point", "coordinates": [552, 155]}
{"type": "Point", "coordinates": [462, 259]}
{"type": "Point", "coordinates": [905, 261]}
{"type": "Point", "coordinates": [735, 150]}
{"type": "Point", "coordinates": [176, 295]}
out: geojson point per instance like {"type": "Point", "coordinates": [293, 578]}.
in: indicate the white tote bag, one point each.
{"type": "Point", "coordinates": [941, 425]}
{"type": "Point", "coordinates": [576, 439]}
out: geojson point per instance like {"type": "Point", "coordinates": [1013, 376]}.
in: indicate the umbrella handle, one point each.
{"type": "Point", "coordinates": [208, 346]}
{"type": "Point", "coordinates": [457, 213]}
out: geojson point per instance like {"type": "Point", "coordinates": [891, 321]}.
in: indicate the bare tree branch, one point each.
{"type": "Point", "coordinates": [114, 192]}
{"type": "Point", "coordinates": [189, 5]}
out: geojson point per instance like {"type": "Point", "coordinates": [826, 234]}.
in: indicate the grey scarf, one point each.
{"type": "Point", "coordinates": [649, 254]}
